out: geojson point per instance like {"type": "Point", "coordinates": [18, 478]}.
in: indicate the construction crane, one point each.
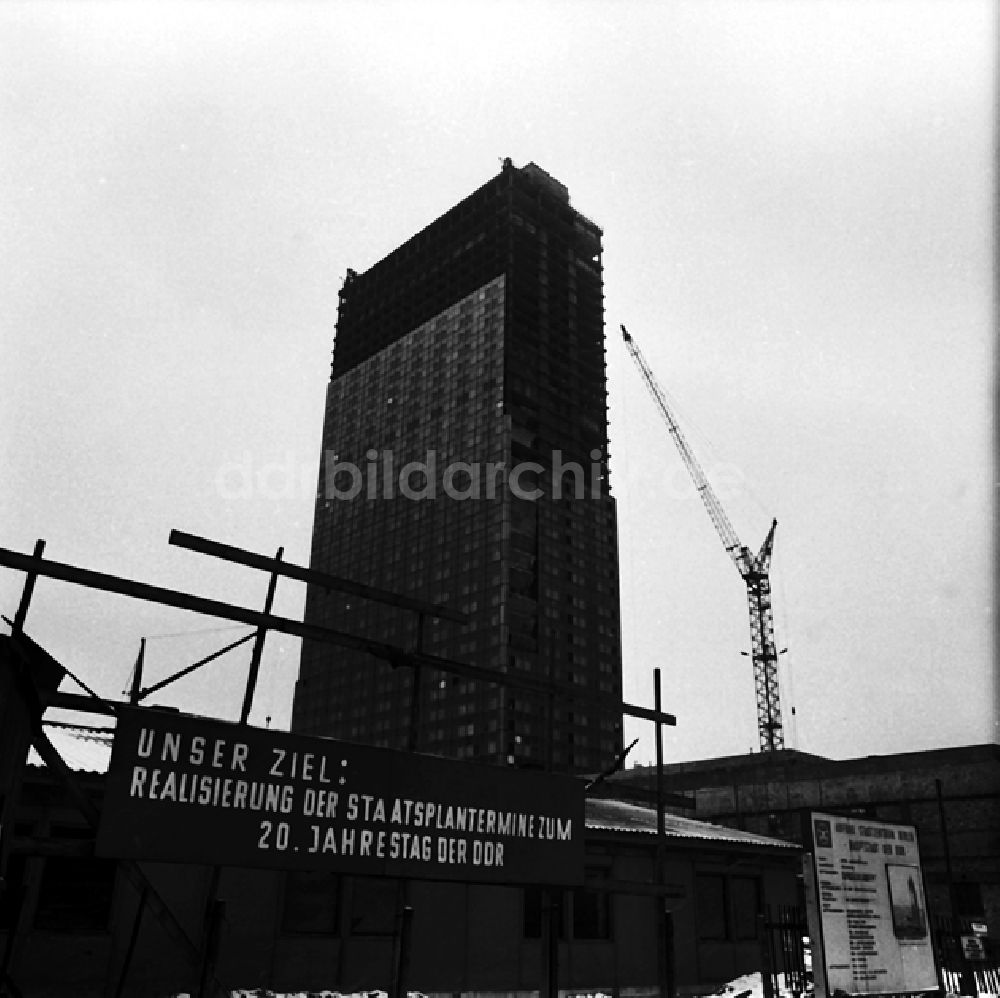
{"type": "Point", "coordinates": [754, 570]}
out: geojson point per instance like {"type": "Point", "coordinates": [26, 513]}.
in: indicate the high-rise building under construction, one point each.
{"type": "Point", "coordinates": [465, 463]}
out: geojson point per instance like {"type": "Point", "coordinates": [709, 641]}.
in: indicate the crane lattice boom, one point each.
{"type": "Point", "coordinates": [754, 570]}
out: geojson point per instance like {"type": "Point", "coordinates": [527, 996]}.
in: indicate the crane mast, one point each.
{"type": "Point", "coordinates": [755, 570]}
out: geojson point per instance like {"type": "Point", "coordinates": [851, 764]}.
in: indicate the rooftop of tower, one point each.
{"type": "Point", "coordinates": [531, 171]}
{"type": "Point", "coordinates": [534, 171]}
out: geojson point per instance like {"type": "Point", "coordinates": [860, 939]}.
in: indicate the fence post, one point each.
{"type": "Point", "coordinates": [766, 961]}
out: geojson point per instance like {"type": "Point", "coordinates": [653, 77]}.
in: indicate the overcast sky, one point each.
{"type": "Point", "coordinates": [797, 207]}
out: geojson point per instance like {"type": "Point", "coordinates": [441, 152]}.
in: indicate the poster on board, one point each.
{"type": "Point", "coordinates": [190, 789]}
{"type": "Point", "coordinates": [867, 910]}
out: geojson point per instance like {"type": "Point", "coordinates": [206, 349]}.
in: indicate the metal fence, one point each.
{"type": "Point", "coordinates": [969, 962]}
{"type": "Point", "coordinates": [785, 964]}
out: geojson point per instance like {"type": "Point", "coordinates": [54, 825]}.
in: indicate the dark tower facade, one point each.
{"type": "Point", "coordinates": [465, 462]}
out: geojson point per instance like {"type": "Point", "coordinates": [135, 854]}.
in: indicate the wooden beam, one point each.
{"type": "Point", "coordinates": [324, 579]}
{"type": "Point", "coordinates": [29, 588]}
{"type": "Point", "coordinates": [75, 701]}
{"type": "Point", "coordinates": [258, 647]}
{"type": "Point", "coordinates": [395, 656]}
{"type": "Point", "coordinates": [657, 716]}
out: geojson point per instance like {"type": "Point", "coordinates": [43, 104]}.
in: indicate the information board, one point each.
{"type": "Point", "coordinates": [199, 790]}
{"type": "Point", "coordinates": [867, 907]}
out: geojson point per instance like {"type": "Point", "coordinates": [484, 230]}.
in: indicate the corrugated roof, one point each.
{"type": "Point", "coordinates": [83, 751]}
{"type": "Point", "coordinates": [621, 816]}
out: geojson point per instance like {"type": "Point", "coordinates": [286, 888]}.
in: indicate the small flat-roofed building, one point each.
{"type": "Point", "coordinates": [69, 921]}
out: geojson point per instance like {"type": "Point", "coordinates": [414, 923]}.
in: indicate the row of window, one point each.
{"type": "Point", "coordinates": [75, 893]}
{"type": "Point", "coordinates": [727, 906]}
{"type": "Point", "coordinates": [389, 515]}
{"type": "Point", "coordinates": [314, 904]}
{"type": "Point", "coordinates": [465, 356]}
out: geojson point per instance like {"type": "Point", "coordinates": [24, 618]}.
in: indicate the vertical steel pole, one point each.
{"type": "Point", "coordinates": [551, 899]}
{"type": "Point", "coordinates": [29, 588]}
{"type": "Point", "coordinates": [216, 914]}
{"type": "Point", "coordinates": [401, 957]}
{"type": "Point", "coordinates": [662, 922]}
{"type": "Point", "coordinates": [258, 647]}
{"type": "Point", "coordinates": [133, 939]}
{"type": "Point", "coordinates": [670, 981]}
{"type": "Point", "coordinates": [404, 918]}
{"type": "Point", "coordinates": [966, 975]}
{"type": "Point", "coordinates": [552, 964]}
{"type": "Point", "coordinates": [766, 955]}
{"type": "Point", "coordinates": [135, 692]}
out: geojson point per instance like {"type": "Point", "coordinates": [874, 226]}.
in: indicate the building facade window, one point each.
{"type": "Point", "coordinates": [744, 898]}
{"type": "Point", "coordinates": [727, 906]}
{"type": "Point", "coordinates": [710, 890]}
{"type": "Point", "coordinates": [534, 910]}
{"type": "Point", "coordinates": [592, 910]}
{"type": "Point", "coordinates": [580, 914]}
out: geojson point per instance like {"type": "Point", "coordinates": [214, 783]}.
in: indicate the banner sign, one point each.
{"type": "Point", "coordinates": [197, 790]}
{"type": "Point", "coordinates": [867, 898]}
